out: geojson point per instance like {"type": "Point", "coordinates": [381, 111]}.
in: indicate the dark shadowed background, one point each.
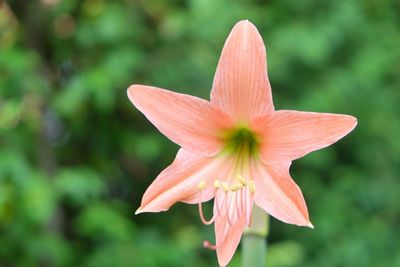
{"type": "Point", "coordinates": [76, 156]}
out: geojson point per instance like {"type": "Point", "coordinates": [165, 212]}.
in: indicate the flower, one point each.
{"type": "Point", "coordinates": [235, 148]}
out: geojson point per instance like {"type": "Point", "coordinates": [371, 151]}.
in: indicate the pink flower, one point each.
{"type": "Point", "coordinates": [235, 148]}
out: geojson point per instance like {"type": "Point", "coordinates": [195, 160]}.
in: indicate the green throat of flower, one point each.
{"type": "Point", "coordinates": [241, 140]}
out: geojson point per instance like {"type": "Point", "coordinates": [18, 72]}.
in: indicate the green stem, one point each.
{"type": "Point", "coordinates": [254, 242]}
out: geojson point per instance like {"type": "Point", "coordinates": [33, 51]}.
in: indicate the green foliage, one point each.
{"type": "Point", "coordinates": [76, 157]}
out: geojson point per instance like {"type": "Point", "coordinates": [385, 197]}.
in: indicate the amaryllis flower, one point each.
{"type": "Point", "coordinates": [235, 148]}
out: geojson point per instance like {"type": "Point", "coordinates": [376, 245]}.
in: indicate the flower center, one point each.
{"type": "Point", "coordinates": [241, 139]}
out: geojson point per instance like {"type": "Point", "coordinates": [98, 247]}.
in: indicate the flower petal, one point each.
{"type": "Point", "coordinates": [279, 195]}
{"type": "Point", "coordinates": [179, 181]}
{"type": "Point", "coordinates": [229, 236]}
{"type": "Point", "coordinates": [191, 122]}
{"type": "Point", "coordinates": [289, 135]}
{"type": "Point", "coordinates": [241, 86]}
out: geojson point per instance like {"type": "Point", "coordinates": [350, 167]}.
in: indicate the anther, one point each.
{"type": "Point", "coordinates": [201, 185]}
{"type": "Point", "coordinates": [236, 187]}
{"type": "Point", "coordinates": [241, 180]}
{"type": "Point", "coordinates": [252, 187]}
{"type": "Point", "coordinates": [216, 184]}
{"type": "Point", "coordinates": [225, 187]}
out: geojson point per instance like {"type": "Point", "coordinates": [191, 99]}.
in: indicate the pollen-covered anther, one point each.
{"type": "Point", "coordinates": [217, 184]}
{"type": "Point", "coordinates": [225, 187]}
{"type": "Point", "coordinates": [236, 187]}
{"type": "Point", "coordinates": [242, 180]}
{"type": "Point", "coordinates": [201, 185]}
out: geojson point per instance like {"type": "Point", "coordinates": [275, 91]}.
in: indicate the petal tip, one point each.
{"type": "Point", "coordinates": [355, 121]}
{"type": "Point", "coordinates": [138, 211]}
{"type": "Point", "coordinates": [310, 225]}
{"type": "Point", "coordinates": [130, 92]}
{"type": "Point", "coordinates": [352, 122]}
{"type": "Point", "coordinates": [222, 263]}
{"type": "Point", "coordinates": [131, 89]}
{"type": "Point", "coordinates": [245, 25]}
{"type": "Point", "coordinates": [244, 22]}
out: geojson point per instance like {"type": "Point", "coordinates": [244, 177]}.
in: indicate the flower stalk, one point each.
{"type": "Point", "coordinates": [254, 241]}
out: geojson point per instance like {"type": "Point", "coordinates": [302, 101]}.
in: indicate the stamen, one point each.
{"type": "Point", "coordinates": [203, 219]}
{"type": "Point", "coordinates": [219, 201]}
{"type": "Point", "coordinates": [233, 212]}
{"type": "Point", "coordinates": [228, 205]}
{"type": "Point", "coordinates": [252, 187]}
{"type": "Point", "coordinates": [216, 184]}
{"type": "Point", "coordinates": [236, 187]}
{"type": "Point", "coordinates": [242, 180]}
{"type": "Point", "coordinates": [239, 201]}
{"type": "Point", "coordinates": [250, 221]}
{"type": "Point", "coordinates": [225, 187]}
{"type": "Point", "coordinates": [201, 185]}
{"type": "Point", "coordinates": [248, 216]}
{"type": "Point", "coordinates": [249, 203]}
{"type": "Point", "coordinates": [233, 202]}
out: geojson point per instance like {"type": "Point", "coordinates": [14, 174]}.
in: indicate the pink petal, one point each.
{"type": "Point", "coordinates": [191, 122]}
{"type": "Point", "coordinates": [229, 236]}
{"type": "Point", "coordinates": [279, 195]}
{"type": "Point", "coordinates": [241, 86]}
{"type": "Point", "coordinates": [179, 181]}
{"type": "Point", "coordinates": [289, 135]}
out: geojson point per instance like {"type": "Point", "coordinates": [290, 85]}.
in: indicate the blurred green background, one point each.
{"type": "Point", "coordinates": [76, 156]}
